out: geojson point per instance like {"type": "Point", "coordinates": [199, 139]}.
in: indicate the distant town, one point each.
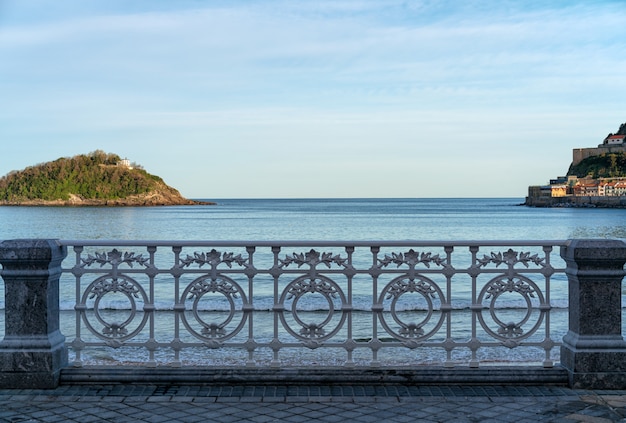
{"type": "Point", "coordinates": [596, 178]}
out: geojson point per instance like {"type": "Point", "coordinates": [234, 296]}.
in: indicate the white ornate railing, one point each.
{"type": "Point", "coordinates": [280, 303]}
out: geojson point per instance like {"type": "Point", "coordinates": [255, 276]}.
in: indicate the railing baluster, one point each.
{"type": "Point", "coordinates": [77, 344]}
{"type": "Point", "coordinates": [376, 307]}
{"type": "Point", "coordinates": [447, 307]}
{"type": "Point", "coordinates": [178, 307]}
{"type": "Point", "coordinates": [474, 343]}
{"type": "Point", "coordinates": [278, 308]}
{"type": "Point", "coordinates": [252, 271]}
{"type": "Point", "coordinates": [150, 309]}
{"type": "Point", "coordinates": [350, 307]}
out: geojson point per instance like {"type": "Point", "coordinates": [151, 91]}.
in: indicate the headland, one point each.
{"type": "Point", "coordinates": [596, 178]}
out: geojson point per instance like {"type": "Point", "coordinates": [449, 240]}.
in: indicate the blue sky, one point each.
{"type": "Point", "coordinates": [295, 99]}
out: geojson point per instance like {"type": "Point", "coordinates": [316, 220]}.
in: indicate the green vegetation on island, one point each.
{"type": "Point", "coordinates": [97, 178]}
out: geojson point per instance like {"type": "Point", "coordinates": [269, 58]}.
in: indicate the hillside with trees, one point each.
{"type": "Point", "coordinates": [610, 165]}
{"type": "Point", "coordinates": [97, 178]}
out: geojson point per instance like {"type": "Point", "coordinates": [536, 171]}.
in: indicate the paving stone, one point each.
{"type": "Point", "coordinates": [297, 419]}
{"type": "Point", "coordinates": [291, 399]}
{"type": "Point", "coordinates": [204, 399]}
{"type": "Point", "coordinates": [274, 399]}
{"type": "Point", "coordinates": [261, 404]}
{"type": "Point", "coordinates": [589, 419]}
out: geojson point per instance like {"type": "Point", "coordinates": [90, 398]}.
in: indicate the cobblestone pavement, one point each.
{"type": "Point", "coordinates": [140, 403]}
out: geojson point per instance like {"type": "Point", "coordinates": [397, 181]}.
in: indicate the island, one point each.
{"type": "Point", "coordinates": [596, 178]}
{"type": "Point", "coordinates": [94, 179]}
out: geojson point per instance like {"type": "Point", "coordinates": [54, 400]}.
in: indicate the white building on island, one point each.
{"type": "Point", "coordinates": [613, 140]}
{"type": "Point", "coordinates": [124, 163]}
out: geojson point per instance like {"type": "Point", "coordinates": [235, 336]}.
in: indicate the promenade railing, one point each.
{"type": "Point", "coordinates": [276, 304]}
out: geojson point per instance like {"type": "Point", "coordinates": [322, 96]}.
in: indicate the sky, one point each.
{"type": "Point", "coordinates": [315, 99]}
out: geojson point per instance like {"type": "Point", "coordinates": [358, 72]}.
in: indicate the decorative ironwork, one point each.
{"type": "Point", "coordinates": [401, 286]}
{"type": "Point", "coordinates": [361, 302]}
{"type": "Point", "coordinates": [97, 291]}
{"type": "Point", "coordinates": [313, 258]}
{"type": "Point", "coordinates": [103, 286]}
{"type": "Point", "coordinates": [214, 258]}
{"type": "Point", "coordinates": [427, 290]}
{"type": "Point", "coordinates": [511, 258]}
{"type": "Point", "coordinates": [512, 331]}
{"type": "Point", "coordinates": [115, 258]}
{"type": "Point", "coordinates": [212, 331]}
{"type": "Point", "coordinates": [412, 258]}
{"type": "Point", "coordinates": [331, 293]}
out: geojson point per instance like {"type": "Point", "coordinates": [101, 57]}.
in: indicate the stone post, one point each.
{"type": "Point", "coordinates": [33, 350]}
{"type": "Point", "coordinates": [594, 351]}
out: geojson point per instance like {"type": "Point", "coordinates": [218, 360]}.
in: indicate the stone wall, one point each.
{"type": "Point", "coordinates": [579, 201]}
{"type": "Point", "coordinates": [579, 154]}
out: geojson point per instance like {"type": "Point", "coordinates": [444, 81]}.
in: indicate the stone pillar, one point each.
{"type": "Point", "coordinates": [594, 351]}
{"type": "Point", "coordinates": [33, 350]}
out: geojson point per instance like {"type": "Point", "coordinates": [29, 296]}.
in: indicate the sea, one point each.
{"type": "Point", "coordinates": [421, 219]}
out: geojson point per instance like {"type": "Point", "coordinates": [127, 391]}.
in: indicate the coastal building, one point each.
{"type": "Point", "coordinates": [540, 191]}
{"type": "Point", "coordinates": [606, 189]}
{"type": "Point", "coordinates": [124, 163]}
{"type": "Point", "coordinates": [613, 143]}
{"type": "Point", "coordinates": [613, 140]}
{"type": "Point", "coordinates": [586, 187]}
{"type": "Point", "coordinates": [612, 187]}
{"type": "Point", "coordinates": [619, 189]}
{"type": "Point", "coordinates": [558, 190]}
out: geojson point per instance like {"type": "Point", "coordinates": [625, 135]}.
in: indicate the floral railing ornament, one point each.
{"type": "Point", "coordinates": [115, 258]}
{"type": "Point", "coordinates": [412, 258]}
{"type": "Point", "coordinates": [511, 258]}
{"type": "Point", "coordinates": [213, 258]}
{"type": "Point", "coordinates": [312, 258]}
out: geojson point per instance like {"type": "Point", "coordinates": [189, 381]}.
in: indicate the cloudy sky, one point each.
{"type": "Point", "coordinates": [295, 99]}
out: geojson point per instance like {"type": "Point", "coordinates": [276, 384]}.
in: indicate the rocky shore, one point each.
{"type": "Point", "coordinates": [155, 198]}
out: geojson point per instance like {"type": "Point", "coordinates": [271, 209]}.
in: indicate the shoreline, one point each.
{"type": "Point", "coordinates": [145, 200]}
{"type": "Point", "coordinates": [601, 202]}
{"type": "Point", "coordinates": [108, 203]}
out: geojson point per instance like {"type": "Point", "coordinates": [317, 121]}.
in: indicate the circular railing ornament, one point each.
{"type": "Point", "coordinates": [94, 297]}
{"type": "Point", "coordinates": [199, 290]}
{"type": "Point", "coordinates": [333, 301]}
{"type": "Point", "coordinates": [430, 298]}
{"type": "Point", "coordinates": [511, 330]}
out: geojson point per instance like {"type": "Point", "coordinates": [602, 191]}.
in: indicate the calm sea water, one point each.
{"type": "Point", "coordinates": [315, 219]}
{"type": "Point", "coordinates": [318, 219]}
